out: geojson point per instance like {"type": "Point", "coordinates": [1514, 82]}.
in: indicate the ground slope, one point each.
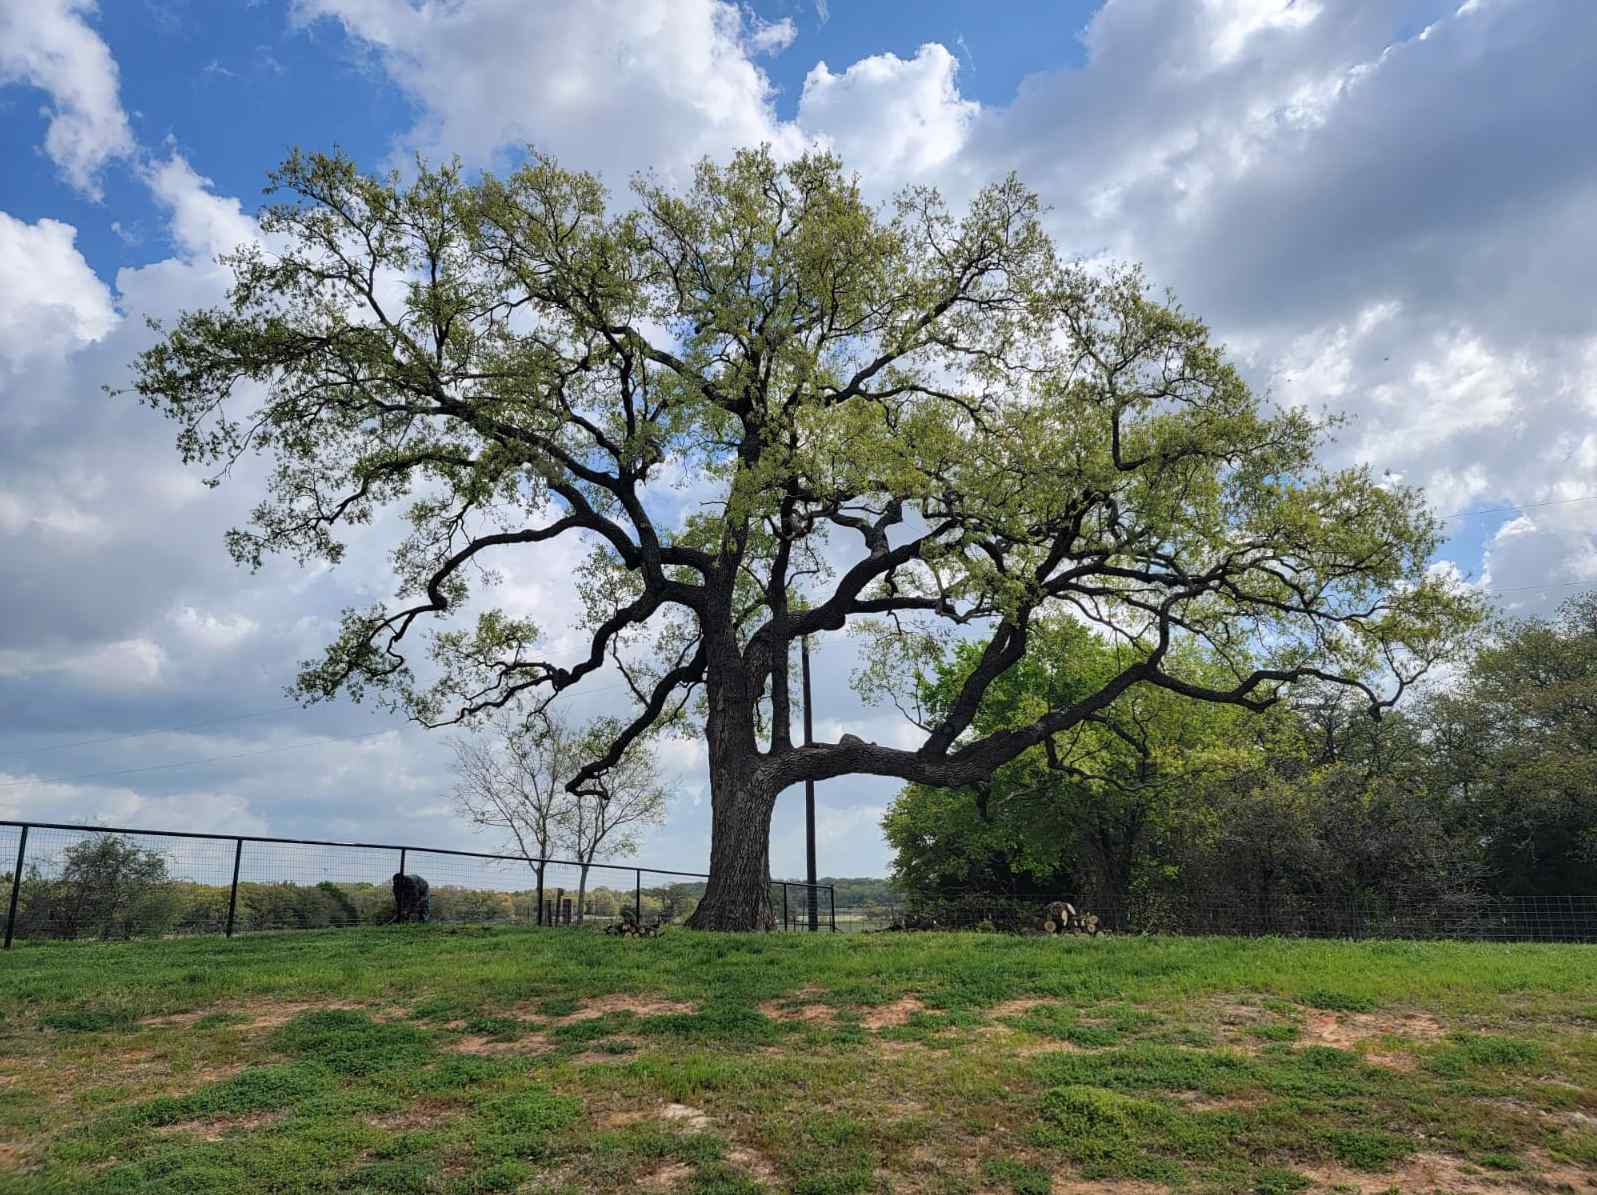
{"type": "Point", "coordinates": [431, 1059]}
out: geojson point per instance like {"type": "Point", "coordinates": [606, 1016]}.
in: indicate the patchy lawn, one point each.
{"type": "Point", "coordinates": [459, 1060]}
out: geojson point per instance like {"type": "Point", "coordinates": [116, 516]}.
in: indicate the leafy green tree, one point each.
{"type": "Point", "coordinates": [1084, 810]}
{"type": "Point", "coordinates": [108, 887]}
{"type": "Point", "coordinates": [1516, 749]}
{"type": "Point", "coordinates": [993, 433]}
{"type": "Point", "coordinates": [1325, 803]}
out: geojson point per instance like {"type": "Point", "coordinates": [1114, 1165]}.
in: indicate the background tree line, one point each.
{"type": "Point", "coordinates": [110, 887]}
{"type": "Point", "coordinates": [1485, 782]}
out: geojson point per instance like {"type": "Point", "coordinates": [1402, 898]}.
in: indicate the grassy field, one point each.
{"type": "Point", "coordinates": [431, 1059]}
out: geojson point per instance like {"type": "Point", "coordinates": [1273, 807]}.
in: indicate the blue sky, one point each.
{"type": "Point", "coordinates": [1382, 208]}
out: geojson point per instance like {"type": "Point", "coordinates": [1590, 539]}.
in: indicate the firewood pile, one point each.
{"type": "Point", "coordinates": [630, 927]}
{"type": "Point", "coordinates": [1061, 917]}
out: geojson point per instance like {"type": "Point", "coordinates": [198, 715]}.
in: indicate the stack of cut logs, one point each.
{"type": "Point", "coordinates": [630, 927]}
{"type": "Point", "coordinates": [1061, 917]}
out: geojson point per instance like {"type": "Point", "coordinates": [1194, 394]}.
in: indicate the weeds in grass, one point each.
{"type": "Point", "coordinates": [351, 1043]}
{"type": "Point", "coordinates": [1188, 1066]}
{"type": "Point", "coordinates": [1333, 1001]}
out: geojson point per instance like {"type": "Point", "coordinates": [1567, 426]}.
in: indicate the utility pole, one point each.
{"type": "Point", "coordinates": [809, 791]}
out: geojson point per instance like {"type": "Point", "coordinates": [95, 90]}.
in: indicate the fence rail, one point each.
{"type": "Point", "coordinates": [1465, 916]}
{"type": "Point", "coordinates": [114, 882]}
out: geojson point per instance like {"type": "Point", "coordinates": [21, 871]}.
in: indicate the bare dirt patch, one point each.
{"type": "Point", "coordinates": [215, 1128]}
{"type": "Point", "coordinates": [1390, 1059]}
{"type": "Point", "coordinates": [1020, 1007]}
{"type": "Point", "coordinates": [265, 1014]}
{"type": "Point", "coordinates": [1052, 1047]}
{"type": "Point", "coordinates": [10, 1157]}
{"type": "Point", "coordinates": [1078, 1186]}
{"type": "Point", "coordinates": [417, 1116]}
{"type": "Point", "coordinates": [687, 1116]}
{"type": "Point", "coordinates": [1344, 1030]}
{"type": "Point", "coordinates": [175, 1020]}
{"type": "Point", "coordinates": [270, 1015]}
{"type": "Point", "coordinates": [1196, 1101]}
{"type": "Point", "coordinates": [809, 1014]}
{"type": "Point", "coordinates": [1234, 1012]}
{"type": "Point", "coordinates": [753, 1163]}
{"type": "Point", "coordinates": [1438, 1172]}
{"type": "Point", "coordinates": [665, 1178]}
{"type": "Point", "coordinates": [593, 1057]}
{"type": "Point", "coordinates": [473, 1043]}
{"type": "Point", "coordinates": [891, 1016]}
{"type": "Point", "coordinates": [641, 1006]}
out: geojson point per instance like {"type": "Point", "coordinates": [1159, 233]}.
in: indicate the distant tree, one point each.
{"type": "Point", "coordinates": [606, 824]}
{"type": "Point", "coordinates": [514, 361]}
{"type": "Point", "coordinates": [510, 780]}
{"type": "Point", "coordinates": [346, 913]}
{"type": "Point", "coordinates": [1515, 744]}
{"type": "Point", "coordinates": [513, 779]}
{"type": "Point", "coordinates": [108, 887]}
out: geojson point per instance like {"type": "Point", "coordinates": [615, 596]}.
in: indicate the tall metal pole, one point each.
{"type": "Point", "coordinates": [16, 887]}
{"type": "Point", "coordinates": [637, 897]}
{"type": "Point", "coordinates": [232, 897]}
{"type": "Point", "coordinates": [809, 792]}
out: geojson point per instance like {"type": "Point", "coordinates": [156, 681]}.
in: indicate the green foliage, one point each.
{"type": "Point", "coordinates": [1516, 751]}
{"type": "Point", "coordinates": [258, 1089]}
{"type": "Point", "coordinates": [533, 1110]}
{"type": "Point", "coordinates": [1015, 441]}
{"type": "Point", "coordinates": [1019, 1177]}
{"type": "Point", "coordinates": [1338, 1001]}
{"type": "Point", "coordinates": [352, 1043]}
{"type": "Point", "coordinates": [86, 1020]}
{"type": "Point", "coordinates": [1468, 1052]}
{"type": "Point", "coordinates": [1366, 1149]}
{"type": "Point", "coordinates": [104, 886]}
{"type": "Point", "coordinates": [1082, 812]}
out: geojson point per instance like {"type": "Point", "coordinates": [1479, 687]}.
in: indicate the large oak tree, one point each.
{"type": "Point", "coordinates": [899, 414]}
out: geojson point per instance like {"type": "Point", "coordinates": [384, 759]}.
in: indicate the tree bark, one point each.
{"type": "Point", "coordinates": [582, 892]}
{"type": "Point", "coordinates": [738, 893]}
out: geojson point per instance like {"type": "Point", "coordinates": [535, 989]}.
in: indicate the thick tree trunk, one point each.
{"type": "Point", "coordinates": [738, 895]}
{"type": "Point", "coordinates": [582, 893]}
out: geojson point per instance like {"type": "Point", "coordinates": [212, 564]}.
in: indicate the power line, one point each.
{"type": "Point", "coordinates": [1555, 585]}
{"type": "Point", "coordinates": [1501, 510]}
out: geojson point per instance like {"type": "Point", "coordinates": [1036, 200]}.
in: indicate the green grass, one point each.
{"type": "Point", "coordinates": [428, 1059]}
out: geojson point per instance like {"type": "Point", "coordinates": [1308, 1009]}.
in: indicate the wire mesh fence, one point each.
{"type": "Point", "coordinates": [1466, 916]}
{"type": "Point", "coordinates": [73, 882]}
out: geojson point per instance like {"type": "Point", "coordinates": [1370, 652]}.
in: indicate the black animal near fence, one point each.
{"type": "Point", "coordinates": [63, 881]}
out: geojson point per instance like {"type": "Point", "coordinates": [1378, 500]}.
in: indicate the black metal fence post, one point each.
{"type": "Point", "coordinates": [542, 863]}
{"type": "Point", "coordinates": [16, 887]}
{"type": "Point", "coordinates": [831, 890]}
{"type": "Point", "coordinates": [402, 851]}
{"type": "Point", "coordinates": [637, 897]}
{"type": "Point", "coordinates": [232, 896]}
{"type": "Point", "coordinates": [784, 905]}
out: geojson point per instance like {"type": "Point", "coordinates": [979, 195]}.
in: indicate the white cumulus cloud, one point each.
{"type": "Point", "coordinates": [48, 44]}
